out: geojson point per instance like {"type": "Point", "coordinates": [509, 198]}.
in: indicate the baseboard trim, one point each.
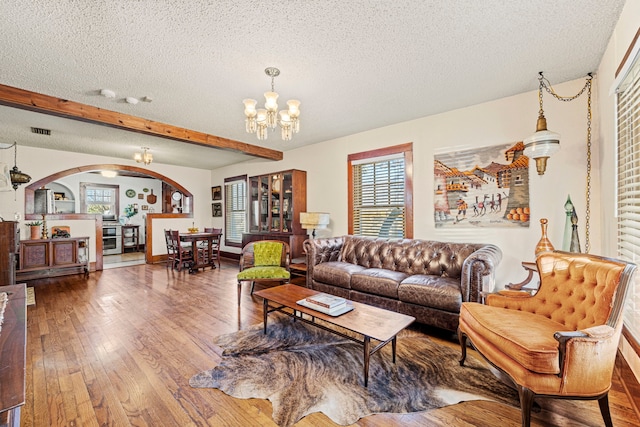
{"type": "Point", "coordinates": [631, 340]}
{"type": "Point", "coordinates": [629, 383]}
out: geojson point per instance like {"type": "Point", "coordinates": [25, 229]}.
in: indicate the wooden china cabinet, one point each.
{"type": "Point", "coordinates": [275, 202]}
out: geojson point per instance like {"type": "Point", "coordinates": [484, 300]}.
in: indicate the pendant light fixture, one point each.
{"type": "Point", "coordinates": [259, 120]}
{"type": "Point", "coordinates": [145, 157]}
{"type": "Point", "coordinates": [542, 144]}
{"type": "Point", "coordinates": [17, 177]}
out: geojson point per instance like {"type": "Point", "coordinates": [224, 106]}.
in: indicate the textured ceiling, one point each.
{"type": "Point", "coordinates": [354, 65]}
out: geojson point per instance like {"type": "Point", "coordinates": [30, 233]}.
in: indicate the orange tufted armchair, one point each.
{"type": "Point", "coordinates": [562, 341]}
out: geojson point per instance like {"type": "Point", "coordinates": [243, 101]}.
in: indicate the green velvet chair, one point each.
{"type": "Point", "coordinates": [263, 261]}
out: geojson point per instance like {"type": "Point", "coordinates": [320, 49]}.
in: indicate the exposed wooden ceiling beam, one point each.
{"type": "Point", "coordinates": [32, 101]}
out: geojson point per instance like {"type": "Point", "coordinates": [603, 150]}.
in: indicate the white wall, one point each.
{"type": "Point", "coordinates": [39, 163]}
{"type": "Point", "coordinates": [620, 41]}
{"type": "Point", "coordinates": [503, 121]}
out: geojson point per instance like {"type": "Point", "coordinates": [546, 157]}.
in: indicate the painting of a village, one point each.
{"type": "Point", "coordinates": [482, 187]}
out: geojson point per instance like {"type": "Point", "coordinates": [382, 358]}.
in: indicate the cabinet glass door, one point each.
{"type": "Point", "coordinates": [287, 202]}
{"type": "Point", "coordinates": [265, 215]}
{"type": "Point", "coordinates": [254, 204]}
{"type": "Point", "coordinates": [276, 212]}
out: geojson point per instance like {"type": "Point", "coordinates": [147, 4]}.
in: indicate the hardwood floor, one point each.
{"type": "Point", "coordinates": [119, 348]}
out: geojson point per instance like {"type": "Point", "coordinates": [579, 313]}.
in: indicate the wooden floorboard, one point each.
{"type": "Point", "coordinates": [119, 348]}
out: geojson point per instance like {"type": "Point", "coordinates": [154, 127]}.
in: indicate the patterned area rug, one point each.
{"type": "Point", "coordinates": [302, 369]}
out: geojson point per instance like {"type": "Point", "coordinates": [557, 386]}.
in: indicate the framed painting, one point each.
{"type": "Point", "coordinates": [482, 187]}
{"type": "Point", "coordinates": [216, 209]}
{"type": "Point", "coordinates": [216, 193]}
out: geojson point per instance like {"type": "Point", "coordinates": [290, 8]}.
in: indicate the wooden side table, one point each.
{"type": "Point", "coordinates": [298, 273]}
{"type": "Point", "coordinates": [526, 284]}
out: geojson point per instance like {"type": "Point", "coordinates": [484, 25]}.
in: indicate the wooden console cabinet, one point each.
{"type": "Point", "coordinates": [41, 258]}
{"type": "Point", "coordinates": [275, 203]}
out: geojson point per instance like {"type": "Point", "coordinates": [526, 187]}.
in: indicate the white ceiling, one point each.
{"type": "Point", "coordinates": [355, 65]}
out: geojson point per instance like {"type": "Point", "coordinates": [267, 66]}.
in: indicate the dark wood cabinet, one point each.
{"type": "Point", "coordinates": [53, 257]}
{"type": "Point", "coordinates": [9, 238]}
{"type": "Point", "coordinates": [275, 203]}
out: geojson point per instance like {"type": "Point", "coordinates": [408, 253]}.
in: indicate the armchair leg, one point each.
{"type": "Point", "coordinates": [239, 291]}
{"type": "Point", "coordinates": [462, 339]}
{"type": "Point", "coordinates": [526, 402]}
{"type": "Point", "coordinates": [603, 402]}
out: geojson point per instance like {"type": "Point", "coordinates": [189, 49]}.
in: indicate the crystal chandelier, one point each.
{"type": "Point", "coordinates": [259, 120]}
{"type": "Point", "coordinates": [144, 157]}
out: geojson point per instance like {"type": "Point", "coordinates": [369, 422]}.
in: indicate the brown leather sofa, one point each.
{"type": "Point", "coordinates": [425, 279]}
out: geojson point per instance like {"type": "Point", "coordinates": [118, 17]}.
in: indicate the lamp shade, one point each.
{"type": "Point", "coordinates": [250, 107]}
{"type": "Point", "coordinates": [540, 146]}
{"type": "Point", "coordinates": [313, 220]}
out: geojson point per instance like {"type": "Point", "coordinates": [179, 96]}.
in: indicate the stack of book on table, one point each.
{"type": "Point", "coordinates": [328, 304]}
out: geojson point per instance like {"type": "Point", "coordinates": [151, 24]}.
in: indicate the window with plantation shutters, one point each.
{"type": "Point", "coordinates": [380, 187]}
{"type": "Point", "coordinates": [628, 209]}
{"type": "Point", "coordinates": [235, 207]}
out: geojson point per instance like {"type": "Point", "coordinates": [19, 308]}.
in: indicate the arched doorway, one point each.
{"type": "Point", "coordinates": [168, 186]}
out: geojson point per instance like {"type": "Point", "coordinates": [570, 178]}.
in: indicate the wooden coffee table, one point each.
{"type": "Point", "coordinates": [370, 322]}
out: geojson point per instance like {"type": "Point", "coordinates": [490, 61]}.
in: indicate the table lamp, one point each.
{"type": "Point", "coordinates": [313, 220]}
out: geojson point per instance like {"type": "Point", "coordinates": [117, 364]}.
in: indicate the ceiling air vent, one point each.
{"type": "Point", "coordinates": [41, 131]}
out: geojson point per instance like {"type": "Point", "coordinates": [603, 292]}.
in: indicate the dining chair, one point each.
{"type": "Point", "coordinates": [263, 261]}
{"type": "Point", "coordinates": [215, 246]}
{"type": "Point", "coordinates": [171, 257]}
{"type": "Point", "coordinates": [183, 256]}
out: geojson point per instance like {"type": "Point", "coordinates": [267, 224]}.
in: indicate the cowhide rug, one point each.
{"type": "Point", "coordinates": [302, 369]}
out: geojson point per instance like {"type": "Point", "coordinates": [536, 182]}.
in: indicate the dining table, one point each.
{"type": "Point", "coordinates": [203, 255]}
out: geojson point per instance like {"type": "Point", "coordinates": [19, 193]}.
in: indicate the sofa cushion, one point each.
{"type": "Point", "coordinates": [336, 272]}
{"type": "Point", "coordinates": [378, 281]}
{"type": "Point", "coordinates": [431, 291]}
{"type": "Point", "coordinates": [264, 272]}
{"type": "Point", "coordinates": [524, 337]}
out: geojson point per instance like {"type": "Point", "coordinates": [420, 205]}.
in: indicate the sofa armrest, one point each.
{"type": "Point", "coordinates": [321, 250]}
{"type": "Point", "coordinates": [479, 267]}
{"type": "Point", "coordinates": [578, 349]}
